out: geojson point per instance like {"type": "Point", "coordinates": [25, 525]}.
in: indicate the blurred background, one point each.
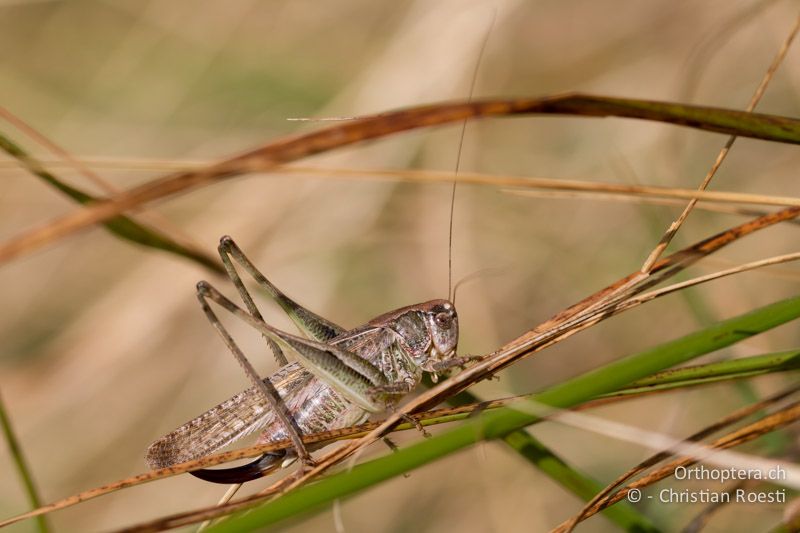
{"type": "Point", "coordinates": [104, 347]}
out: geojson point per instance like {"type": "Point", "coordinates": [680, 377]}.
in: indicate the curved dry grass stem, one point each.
{"type": "Point", "coordinates": [521, 184]}
{"type": "Point", "coordinates": [767, 424]}
{"type": "Point", "coordinates": [531, 182]}
{"type": "Point", "coordinates": [731, 419]}
{"type": "Point", "coordinates": [753, 265]}
{"type": "Point", "coordinates": [644, 200]}
{"type": "Point", "coordinates": [723, 153]}
{"type": "Point", "coordinates": [646, 192]}
{"type": "Point", "coordinates": [297, 147]}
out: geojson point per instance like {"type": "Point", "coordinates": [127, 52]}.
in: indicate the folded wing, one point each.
{"type": "Point", "coordinates": [225, 423]}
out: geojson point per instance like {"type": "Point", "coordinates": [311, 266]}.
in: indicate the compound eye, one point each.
{"type": "Point", "coordinates": [443, 320]}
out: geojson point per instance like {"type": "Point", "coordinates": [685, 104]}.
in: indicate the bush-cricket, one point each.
{"type": "Point", "coordinates": [342, 377]}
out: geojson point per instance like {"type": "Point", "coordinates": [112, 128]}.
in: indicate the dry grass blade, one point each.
{"type": "Point", "coordinates": [723, 153]}
{"type": "Point", "coordinates": [297, 147]}
{"type": "Point", "coordinates": [731, 419]}
{"type": "Point", "coordinates": [531, 182]}
{"type": "Point", "coordinates": [654, 193]}
{"type": "Point", "coordinates": [790, 274]}
{"type": "Point", "coordinates": [146, 477]}
{"type": "Point", "coordinates": [667, 202]}
{"type": "Point", "coordinates": [776, 260]}
{"type": "Point", "coordinates": [769, 423]}
{"type": "Point", "coordinates": [498, 180]}
{"type": "Point", "coordinates": [205, 514]}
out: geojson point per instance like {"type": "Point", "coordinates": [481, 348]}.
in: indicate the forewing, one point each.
{"type": "Point", "coordinates": [364, 341]}
{"type": "Point", "coordinates": [225, 423]}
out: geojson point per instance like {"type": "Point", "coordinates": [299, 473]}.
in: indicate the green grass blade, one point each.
{"type": "Point", "coordinates": [713, 372]}
{"type": "Point", "coordinates": [500, 423]}
{"type": "Point", "coordinates": [121, 226]}
{"type": "Point", "coordinates": [556, 468]}
{"type": "Point", "coordinates": [707, 374]}
{"type": "Point", "coordinates": [623, 514]}
{"type": "Point", "coordinates": [733, 122]}
{"type": "Point", "coordinates": [22, 466]}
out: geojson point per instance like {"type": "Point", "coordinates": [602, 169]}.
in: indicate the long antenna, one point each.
{"type": "Point", "coordinates": [450, 292]}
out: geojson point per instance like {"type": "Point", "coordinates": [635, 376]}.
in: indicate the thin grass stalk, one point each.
{"type": "Point", "coordinates": [24, 471]}
{"type": "Point", "coordinates": [673, 228]}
